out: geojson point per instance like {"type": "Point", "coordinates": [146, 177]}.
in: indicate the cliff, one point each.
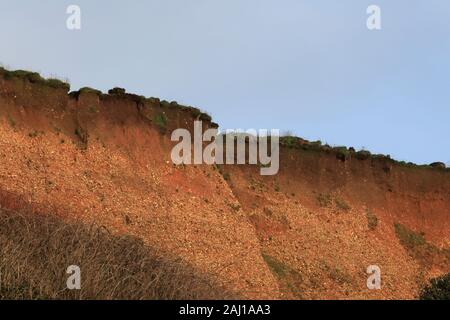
{"type": "Point", "coordinates": [308, 232]}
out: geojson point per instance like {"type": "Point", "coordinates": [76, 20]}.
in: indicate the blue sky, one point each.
{"type": "Point", "coordinates": [308, 66]}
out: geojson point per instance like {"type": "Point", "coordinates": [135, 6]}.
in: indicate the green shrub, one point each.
{"type": "Point", "coordinates": [288, 141]}
{"type": "Point", "coordinates": [160, 121]}
{"type": "Point", "coordinates": [89, 90]}
{"type": "Point", "coordinates": [194, 111]}
{"type": "Point", "coordinates": [342, 153]}
{"type": "Point", "coordinates": [438, 289]}
{"type": "Point", "coordinates": [408, 237]}
{"type": "Point", "coordinates": [165, 104]}
{"type": "Point", "coordinates": [289, 279]}
{"type": "Point", "coordinates": [426, 254]}
{"type": "Point", "coordinates": [205, 117]}
{"type": "Point", "coordinates": [140, 100]}
{"type": "Point", "coordinates": [277, 267]}
{"type": "Point", "coordinates": [34, 77]}
{"type": "Point", "coordinates": [438, 165]}
{"type": "Point", "coordinates": [197, 113]}
{"type": "Point", "coordinates": [117, 91]}
{"type": "Point", "coordinates": [57, 84]}
{"type": "Point", "coordinates": [153, 100]}
{"type": "Point", "coordinates": [341, 149]}
{"type": "Point", "coordinates": [363, 155]}
{"type": "Point", "coordinates": [226, 176]}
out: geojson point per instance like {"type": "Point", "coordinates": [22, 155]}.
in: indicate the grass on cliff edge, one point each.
{"type": "Point", "coordinates": [36, 250]}
{"type": "Point", "coordinates": [34, 77]}
{"type": "Point", "coordinates": [343, 153]}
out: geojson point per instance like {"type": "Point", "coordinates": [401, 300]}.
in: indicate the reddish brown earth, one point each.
{"type": "Point", "coordinates": [104, 159]}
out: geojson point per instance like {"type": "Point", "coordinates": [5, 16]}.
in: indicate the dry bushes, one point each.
{"type": "Point", "coordinates": [35, 251]}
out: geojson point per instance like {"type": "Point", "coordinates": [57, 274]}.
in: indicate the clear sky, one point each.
{"type": "Point", "coordinates": [309, 66]}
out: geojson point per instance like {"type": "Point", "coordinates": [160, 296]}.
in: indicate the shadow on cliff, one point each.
{"type": "Point", "coordinates": [37, 249]}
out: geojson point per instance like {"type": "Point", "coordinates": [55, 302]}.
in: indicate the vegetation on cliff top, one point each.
{"type": "Point", "coordinates": [34, 77]}
{"type": "Point", "coordinates": [342, 153]}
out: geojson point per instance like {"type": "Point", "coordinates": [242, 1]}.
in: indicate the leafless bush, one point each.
{"type": "Point", "coordinates": [36, 249]}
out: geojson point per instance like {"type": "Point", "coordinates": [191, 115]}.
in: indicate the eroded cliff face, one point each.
{"type": "Point", "coordinates": [303, 233]}
{"type": "Point", "coordinates": [105, 160]}
{"type": "Point", "coordinates": [324, 221]}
